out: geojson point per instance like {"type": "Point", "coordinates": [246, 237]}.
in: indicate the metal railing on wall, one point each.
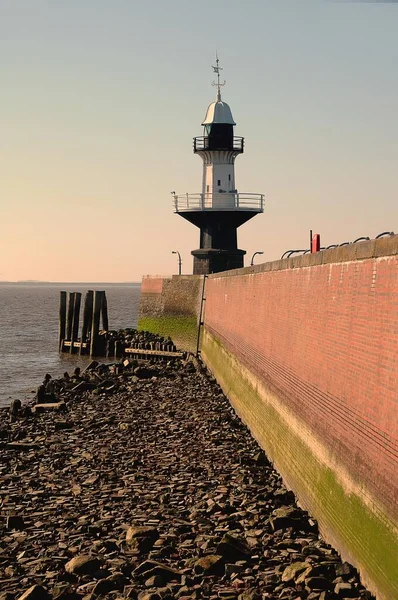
{"type": "Point", "coordinates": [289, 253]}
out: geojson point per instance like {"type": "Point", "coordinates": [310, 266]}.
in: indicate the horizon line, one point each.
{"type": "Point", "coordinates": [34, 281]}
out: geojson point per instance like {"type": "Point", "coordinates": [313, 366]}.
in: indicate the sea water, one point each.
{"type": "Point", "coordinates": [29, 331]}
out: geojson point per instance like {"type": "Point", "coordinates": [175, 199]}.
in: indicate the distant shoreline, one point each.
{"type": "Point", "coordinates": [80, 283]}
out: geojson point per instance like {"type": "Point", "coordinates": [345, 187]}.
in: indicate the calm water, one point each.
{"type": "Point", "coordinates": [29, 331]}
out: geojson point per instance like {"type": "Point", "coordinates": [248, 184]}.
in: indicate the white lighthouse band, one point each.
{"type": "Point", "coordinates": [218, 148]}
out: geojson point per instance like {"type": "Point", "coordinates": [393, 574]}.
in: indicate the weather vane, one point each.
{"type": "Point", "coordinates": [219, 85]}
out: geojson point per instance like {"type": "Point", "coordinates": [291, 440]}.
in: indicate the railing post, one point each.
{"type": "Point", "coordinates": [202, 201]}
{"type": "Point", "coordinates": [237, 200]}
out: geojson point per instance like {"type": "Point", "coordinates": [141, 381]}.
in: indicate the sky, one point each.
{"type": "Point", "coordinates": [100, 100]}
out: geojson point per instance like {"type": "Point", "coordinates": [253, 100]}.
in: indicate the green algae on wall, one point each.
{"type": "Point", "coordinates": [182, 330]}
{"type": "Point", "coordinates": [357, 527]}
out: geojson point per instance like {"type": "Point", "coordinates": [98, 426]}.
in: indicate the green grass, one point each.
{"type": "Point", "coordinates": [182, 330]}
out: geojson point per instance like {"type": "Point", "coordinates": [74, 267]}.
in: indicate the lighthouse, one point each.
{"type": "Point", "coordinates": [219, 209]}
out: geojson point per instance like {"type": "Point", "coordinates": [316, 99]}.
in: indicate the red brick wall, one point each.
{"type": "Point", "coordinates": [152, 285]}
{"type": "Point", "coordinates": [325, 337]}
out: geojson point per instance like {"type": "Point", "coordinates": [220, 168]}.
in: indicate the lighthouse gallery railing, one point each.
{"type": "Point", "coordinates": [220, 201]}
{"type": "Point", "coordinates": [207, 143]}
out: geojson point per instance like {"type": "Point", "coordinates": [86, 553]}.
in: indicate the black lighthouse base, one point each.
{"type": "Point", "coordinates": [211, 260]}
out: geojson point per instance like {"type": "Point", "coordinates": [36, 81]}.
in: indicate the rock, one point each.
{"type": "Point", "coordinates": [83, 564]}
{"type": "Point", "coordinates": [250, 595]}
{"type": "Point", "coordinates": [64, 591]}
{"type": "Point", "coordinates": [304, 575]}
{"type": "Point", "coordinates": [36, 592]}
{"type": "Point", "coordinates": [284, 496]}
{"type": "Point", "coordinates": [289, 516]}
{"type": "Point", "coordinates": [130, 592]}
{"type": "Point", "coordinates": [318, 583]}
{"type": "Point", "coordinates": [154, 581]}
{"type": "Point", "coordinates": [293, 570]}
{"type": "Point", "coordinates": [212, 564]}
{"type": "Point", "coordinates": [141, 539]}
{"type": "Point", "coordinates": [165, 453]}
{"type": "Point", "coordinates": [344, 570]}
{"type": "Point", "coordinates": [49, 407]}
{"type": "Point", "coordinates": [230, 569]}
{"type": "Point", "coordinates": [261, 459]}
{"type": "Point", "coordinates": [345, 590]}
{"type": "Point", "coordinates": [143, 372]}
{"type": "Point", "coordinates": [15, 407]}
{"type": "Point", "coordinates": [59, 425]}
{"type": "Point", "coordinates": [91, 366]}
{"type": "Point", "coordinates": [233, 548]}
{"type": "Point", "coordinates": [83, 386]}
{"type": "Point", "coordinates": [115, 582]}
{"type": "Point", "coordinates": [119, 580]}
{"type": "Point", "coordinates": [149, 568]}
{"type": "Point", "coordinates": [15, 522]}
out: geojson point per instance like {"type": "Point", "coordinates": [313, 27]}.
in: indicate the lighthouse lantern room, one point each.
{"type": "Point", "coordinates": [219, 209]}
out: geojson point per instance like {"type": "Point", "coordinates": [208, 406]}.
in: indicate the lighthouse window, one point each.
{"type": "Point", "coordinates": [218, 181]}
{"type": "Point", "coordinates": [208, 188]}
{"type": "Point", "coordinates": [229, 177]}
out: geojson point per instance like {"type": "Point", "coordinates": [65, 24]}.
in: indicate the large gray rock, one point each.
{"type": "Point", "coordinates": [149, 568]}
{"type": "Point", "coordinates": [142, 539]}
{"type": "Point", "coordinates": [233, 548]}
{"type": "Point", "coordinates": [292, 571]}
{"type": "Point", "coordinates": [36, 592]}
{"type": "Point", "coordinates": [345, 590]}
{"type": "Point", "coordinates": [84, 564]}
{"type": "Point", "coordinates": [213, 564]}
{"type": "Point", "coordinates": [289, 516]}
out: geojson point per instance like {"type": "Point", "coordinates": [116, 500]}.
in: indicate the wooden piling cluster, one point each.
{"type": "Point", "coordinates": [95, 310]}
{"type": "Point", "coordinates": [98, 341]}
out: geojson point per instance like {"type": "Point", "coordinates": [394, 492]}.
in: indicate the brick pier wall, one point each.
{"type": "Point", "coordinates": [307, 351]}
{"type": "Point", "coordinates": [170, 306]}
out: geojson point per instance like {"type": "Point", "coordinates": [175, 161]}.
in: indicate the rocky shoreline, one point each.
{"type": "Point", "coordinates": [138, 480]}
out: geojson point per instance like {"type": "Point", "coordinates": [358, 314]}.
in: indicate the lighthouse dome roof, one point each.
{"type": "Point", "coordinates": [218, 112]}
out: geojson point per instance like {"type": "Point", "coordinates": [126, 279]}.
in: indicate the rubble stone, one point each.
{"type": "Point", "coordinates": [150, 486]}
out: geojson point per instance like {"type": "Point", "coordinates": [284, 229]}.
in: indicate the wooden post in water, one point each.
{"type": "Point", "coordinates": [118, 349]}
{"type": "Point", "coordinates": [75, 320]}
{"type": "Point", "coordinates": [62, 320]}
{"type": "Point", "coordinates": [104, 312]}
{"type": "Point", "coordinates": [71, 302]}
{"type": "Point", "coordinates": [95, 324]}
{"type": "Point", "coordinates": [87, 317]}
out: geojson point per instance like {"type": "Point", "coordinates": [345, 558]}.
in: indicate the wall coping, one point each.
{"type": "Point", "coordinates": [156, 276]}
{"type": "Point", "coordinates": [383, 247]}
{"type": "Point", "coordinates": [185, 276]}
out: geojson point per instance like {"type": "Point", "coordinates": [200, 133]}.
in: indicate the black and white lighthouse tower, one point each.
{"type": "Point", "coordinates": [220, 208]}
